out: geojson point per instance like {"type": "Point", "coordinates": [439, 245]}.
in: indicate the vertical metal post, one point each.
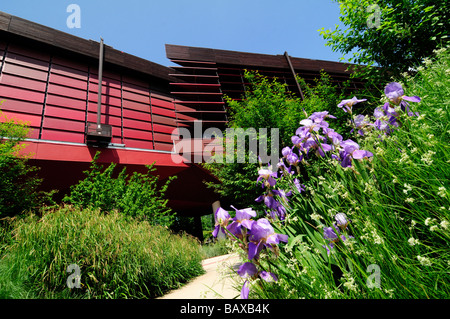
{"type": "Point", "coordinates": [100, 80]}
{"type": "Point", "coordinates": [286, 55]}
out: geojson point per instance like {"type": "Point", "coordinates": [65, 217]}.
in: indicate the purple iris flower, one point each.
{"type": "Point", "coordinates": [331, 234]}
{"type": "Point", "coordinates": [245, 290]}
{"type": "Point", "coordinates": [320, 116]}
{"type": "Point", "coordinates": [282, 194]}
{"type": "Point", "coordinates": [341, 220]}
{"type": "Point", "coordinates": [300, 187]}
{"type": "Point", "coordinates": [350, 149]}
{"type": "Point", "coordinates": [292, 159]}
{"type": "Point", "coordinates": [360, 122]}
{"type": "Point", "coordinates": [222, 218]}
{"type": "Point", "coordinates": [395, 93]}
{"type": "Point", "coordinates": [347, 105]}
{"type": "Point", "coordinates": [268, 176]}
{"type": "Point", "coordinates": [247, 270]}
{"type": "Point", "coordinates": [243, 218]}
{"type": "Point", "coordinates": [263, 235]}
{"type": "Point", "coordinates": [286, 151]}
{"type": "Point", "coordinates": [335, 137]}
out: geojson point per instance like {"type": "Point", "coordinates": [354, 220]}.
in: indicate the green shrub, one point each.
{"type": "Point", "coordinates": [19, 182]}
{"type": "Point", "coordinates": [138, 195]}
{"type": "Point", "coordinates": [118, 257]}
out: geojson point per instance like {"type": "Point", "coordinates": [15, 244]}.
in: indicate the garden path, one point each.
{"type": "Point", "coordinates": [216, 283]}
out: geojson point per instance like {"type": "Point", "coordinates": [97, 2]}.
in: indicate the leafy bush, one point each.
{"type": "Point", "coordinates": [373, 219]}
{"type": "Point", "coordinates": [19, 183]}
{"type": "Point", "coordinates": [138, 195]}
{"type": "Point", "coordinates": [118, 257]}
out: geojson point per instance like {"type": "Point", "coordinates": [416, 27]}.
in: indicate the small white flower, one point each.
{"type": "Point", "coordinates": [434, 228]}
{"type": "Point", "coordinates": [409, 200]}
{"type": "Point", "coordinates": [413, 241]}
{"type": "Point", "coordinates": [429, 221]}
{"type": "Point", "coordinates": [441, 191]}
{"type": "Point", "coordinates": [444, 224]}
{"type": "Point", "coordinates": [424, 261]}
{"type": "Point", "coordinates": [407, 188]}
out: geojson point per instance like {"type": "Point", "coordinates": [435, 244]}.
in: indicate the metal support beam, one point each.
{"type": "Point", "coordinates": [286, 55]}
{"type": "Point", "coordinates": [100, 80]}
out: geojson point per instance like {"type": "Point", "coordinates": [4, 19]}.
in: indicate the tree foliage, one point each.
{"type": "Point", "coordinates": [395, 35]}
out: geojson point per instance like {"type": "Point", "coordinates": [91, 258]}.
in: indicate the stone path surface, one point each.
{"type": "Point", "coordinates": [217, 283]}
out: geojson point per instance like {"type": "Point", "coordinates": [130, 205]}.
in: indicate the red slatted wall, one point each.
{"type": "Point", "coordinates": [57, 96]}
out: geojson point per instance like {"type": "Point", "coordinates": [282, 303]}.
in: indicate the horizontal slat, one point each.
{"type": "Point", "coordinates": [105, 109]}
{"type": "Point", "coordinates": [106, 99]}
{"type": "Point", "coordinates": [64, 101]}
{"type": "Point", "coordinates": [135, 88]}
{"type": "Point", "coordinates": [69, 72]}
{"type": "Point", "coordinates": [22, 107]}
{"type": "Point", "coordinates": [66, 91]}
{"type": "Point", "coordinates": [26, 61]}
{"type": "Point", "coordinates": [213, 85]}
{"type": "Point", "coordinates": [64, 125]}
{"type": "Point", "coordinates": [137, 134]}
{"type": "Point", "coordinates": [183, 75]}
{"type": "Point", "coordinates": [62, 136]}
{"type": "Point", "coordinates": [136, 97]}
{"type": "Point", "coordinates": [201, 102]}
{"type": "Point", "coordinates": [148, 145]}
{"type": "Point", "coordinates": [162, 111]}
{"type": "Point", "coordinates": [25, 72]}
{"type": "Point", "coordinates": [163, 128]}
{"type": "Point", "coordinates": [132, 105]}
{"type": "Point", "coordinates": [131, 114]}
{"type": "Point", "coordinates": [171, 121]}
{"type": "Point", "coordinates": [65, 113]}
{"type": "Point", "coordinates": [205, 121]}
{"type": "Point", "coordinates": [163, 147]}
{"type": "Point", "coordinates": [162, 103]}
{"type": "Point", "coordinates": [165, 138]}
{"type": "Point", "coordinates": [197, 93]}
{"type": "Point", "coordinates": [31, 119]}
{"type": "Point", "coordinates": [67, 81]}
{"type": "Point", "coordinates": [8, 92]}
{"type": "Point", "coordinates": [106, 90]}
{"type": "Point", "coordinates": [136, 124]}
{"type": "Point", "coordinates": [105, 119]}
{"type": "Point", "coordinates": [23, 83]}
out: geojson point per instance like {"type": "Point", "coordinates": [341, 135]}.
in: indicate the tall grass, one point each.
{"type": "Point", "coordinates": [118, 257]}
{"type": "Point", "coordinates": [397, 244]}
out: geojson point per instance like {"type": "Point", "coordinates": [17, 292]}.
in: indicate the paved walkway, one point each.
{"type": "Point", "coordinates": [217, 283]}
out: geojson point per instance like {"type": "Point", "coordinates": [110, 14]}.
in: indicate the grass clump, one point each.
{"type": "Point", "coordinates": [117, 257]}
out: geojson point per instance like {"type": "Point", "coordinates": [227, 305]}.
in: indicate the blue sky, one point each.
{"type": "Point", "coordinates": [142, 28]}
